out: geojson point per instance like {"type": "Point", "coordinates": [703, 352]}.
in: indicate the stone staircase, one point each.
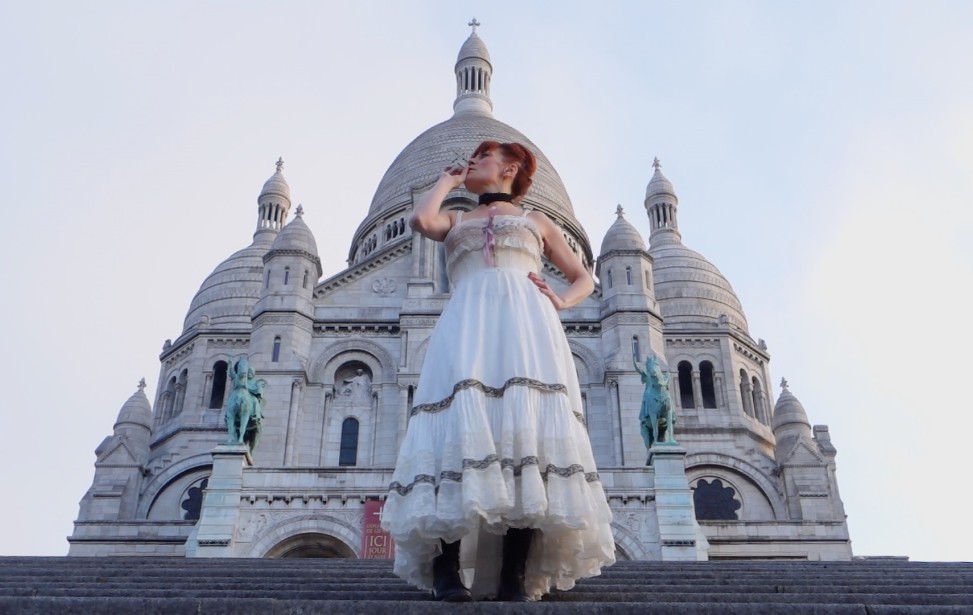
{"type": "Point", "coordinates": [150, 586]}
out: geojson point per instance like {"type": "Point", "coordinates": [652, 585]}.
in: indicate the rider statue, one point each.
{"type": "Point", "coordinates": [656, 417]}
{"type": "Point", "coordinates": [244, 408]}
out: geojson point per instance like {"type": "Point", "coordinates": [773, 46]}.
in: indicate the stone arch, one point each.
{"type": "Point", "coordinates": [311, 544]}
{"type": "Point", "coordinates": [163, 479]}
{"type": "Point", "coordinates": [596, 367]}
{"type": "Point", "coordinates": [165, 503]}
{"type": "Point", "coordinates": [628, 544]}
{"type": "Point", "coordinates": [706, 355]}
{"type": "Point", "coordinates": [732, 465]}
{"type": "Point", "coordinates": [368, 352]}
{"type": "Point", "coordinates": [289, 530]}
{"type": "Point", "coordinates": [420, 355]}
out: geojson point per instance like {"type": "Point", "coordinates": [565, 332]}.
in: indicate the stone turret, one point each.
{"type": "Point", "coordinates": [624, 268]}
{"type": "Point", "coordinates": [790, 419]}
{"type": "Point", "coordinates": [274, 202]}
{"type": "Point", "coordinates": [120, 463]}
{"type": "Point", "coordinates": [805, 463]}
{"type": "Point", "coordinates": [473, 75]}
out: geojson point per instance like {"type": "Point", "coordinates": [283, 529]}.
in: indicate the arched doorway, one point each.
{"type": "Point", "coordinates": [311, 545]}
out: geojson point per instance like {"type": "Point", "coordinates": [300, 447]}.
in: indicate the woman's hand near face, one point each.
{"type": "Point", "coordinates": [427, 218]}
{"type": "Point", "coordinates": [454, 176]}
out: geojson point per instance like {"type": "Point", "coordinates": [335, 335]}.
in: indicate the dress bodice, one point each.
{"type": "Point", "coordinates": [516, 245]}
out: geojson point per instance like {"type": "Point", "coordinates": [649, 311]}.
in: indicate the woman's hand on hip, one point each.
{"type": "Point", "coordinates": [559, 303]}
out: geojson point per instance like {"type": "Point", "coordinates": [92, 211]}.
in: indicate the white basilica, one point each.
{"type": "Point", "coordinates": [341, 357]}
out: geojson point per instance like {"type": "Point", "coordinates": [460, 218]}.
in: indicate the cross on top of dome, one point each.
{"type": "Point", "coordinates": [473, 24]}
{"type": "Point", "coordinates": [656, 164]}
{"type": "Point", "coordinates": [619, 211]}
{"type": "Point", "coordinates": [280, 164]}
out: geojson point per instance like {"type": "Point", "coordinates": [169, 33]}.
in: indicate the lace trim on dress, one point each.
{"type": "Point", "coordinates": [482, 464]}
{"type": "Point", "coordinates": [464, 234]}
{"type": "Point", "coordinates": [471, 242]}
{"type": "Point", "coordinates": [473, 383]}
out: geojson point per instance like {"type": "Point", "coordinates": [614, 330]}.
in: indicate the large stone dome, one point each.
{"type": "Point", "coordinates": [421, 162]}
{"type": "Point", "coordinates": [418, 166]}
{"type": "Point", "coordinates": [691, 291]}
{"type": "Point", "coordinates": [227, 296]}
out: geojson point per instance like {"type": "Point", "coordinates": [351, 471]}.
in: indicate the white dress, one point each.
{"type": "Point", "coordinates": [496, 435]}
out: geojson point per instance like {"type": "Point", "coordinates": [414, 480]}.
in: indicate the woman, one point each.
{"type": "Point", "coordinates": [496, 456]}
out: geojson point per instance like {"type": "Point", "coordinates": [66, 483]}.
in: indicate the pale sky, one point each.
{"type": "Point", "coordinates": [821, 152]}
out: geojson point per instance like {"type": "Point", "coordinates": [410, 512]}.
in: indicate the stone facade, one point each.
{"type": "Point", "coordinates": [341, 359]}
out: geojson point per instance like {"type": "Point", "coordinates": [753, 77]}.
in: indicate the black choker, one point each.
{"type": "Point", "coordinates": [491, 197]}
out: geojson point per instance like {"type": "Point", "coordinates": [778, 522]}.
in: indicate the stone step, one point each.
{"type": "Point", "coordinates": [40, 585]}
{"type": "Point", "coordinates": [571, 596]}
{"type": "Point", "coordinates": [175, 585]}
{"type": "Point", "coordinates": [270, 606]}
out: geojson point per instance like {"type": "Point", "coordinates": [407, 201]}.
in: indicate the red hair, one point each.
{"type": "Point", "coordinates": [513, 152]}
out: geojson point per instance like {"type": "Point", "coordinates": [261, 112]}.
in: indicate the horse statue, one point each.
{"type": "Point", "coordinates": [244, 408]}
{"type": "Point", "coordinates": [656, 416]}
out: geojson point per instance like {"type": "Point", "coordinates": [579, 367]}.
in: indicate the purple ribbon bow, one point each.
{"type": "Point", "coordinates": [488, 238]}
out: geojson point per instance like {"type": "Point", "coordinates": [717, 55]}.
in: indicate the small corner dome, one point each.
{"type": "Point", "coordinates": [788, 410]}
{"type": "Point", "coordinates": [296, 236]}
{"type": "Point", "coordinates": [474, 47]}
{"type": "Point", "coordinates": [622, 235]}
{"type": "Point", "coordinates": [136, 410]}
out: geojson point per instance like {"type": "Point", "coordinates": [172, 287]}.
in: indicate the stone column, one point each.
{"type": "Point", "coordinates": [697, 390]}
{"type": "Point", "coordinates": [679, 534]}
{"type": "Point", "coordinates": [218, 517]}
{"type": "Point", "coordinates": [720, 392]}
{"type": "Point", "coordinates": [615, 414]}
{"type": "Point", "coordinates": [291, 437]}
{"type": "Point", "coordinates": [746, 392]}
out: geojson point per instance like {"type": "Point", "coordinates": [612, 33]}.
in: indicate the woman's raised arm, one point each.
{"type": "Point", "coordinates": [427, 218]}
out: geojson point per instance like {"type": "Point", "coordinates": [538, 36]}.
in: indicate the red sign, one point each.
{"type": "Point", "coordinates": [376, 542]}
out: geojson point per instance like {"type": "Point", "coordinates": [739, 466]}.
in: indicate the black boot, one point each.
{"type": "Point", "coordinates": [516, 546]}
{"type": "Point", "coordinates": [446, 584]}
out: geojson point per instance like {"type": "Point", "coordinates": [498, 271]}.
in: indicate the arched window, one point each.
{"type": "Point", "coordinates": [758, 401]}
{"type": "Point", "coordinates": [686, 399]}
{"type": "Point", "coordinates": [706, 384]}
{"type": "Point", "coordinates": [715, 501]}
{"type": "Point", "coordinates": [267, 278]}
{"type": "Point", "coordinates": [192, 502]}
{"type": "Point", "coordinates": [168, 397]}
{"type": "Point", "coordinates": [275, 355]}
{"type": "Point", "coordinates": [636, 350]}
{"type": "Point", "coordinates": [180, 392]}
{"type": "Point", "coordinates": [609, 278]}
{"type": "Point", "coordinates": [628, 276]}
{"type": "Point", "coordinates": [287, 275]}
{"type": "Point", "coordinates": [304, 283]}
{"type": "Point", "coordinates": [745, 393]}
{"type": "Point", "coordinates": [349, 443]}
{"type": "Point", "coordinates": [219, 385]}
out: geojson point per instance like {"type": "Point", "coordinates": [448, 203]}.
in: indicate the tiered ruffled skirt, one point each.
{"type": "Point", "coordinates": [497, 439]}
